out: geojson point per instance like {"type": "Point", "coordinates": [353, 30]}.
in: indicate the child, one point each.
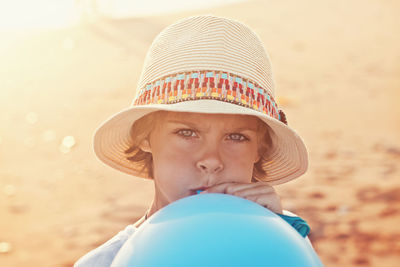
{"type": "Point", "coordinates": [204, 118]}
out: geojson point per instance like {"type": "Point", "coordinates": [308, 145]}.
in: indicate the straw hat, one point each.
{"type": "Point", "coordinates": [206, 64]}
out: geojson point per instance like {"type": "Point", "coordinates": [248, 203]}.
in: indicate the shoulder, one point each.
{"type": "Point", "coordinates": [104, 254]}
{"type": "Point", "coordinates": [289, 213]}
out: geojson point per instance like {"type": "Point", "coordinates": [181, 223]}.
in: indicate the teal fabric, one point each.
{"type": "Point", "coordinates": [297, 223]}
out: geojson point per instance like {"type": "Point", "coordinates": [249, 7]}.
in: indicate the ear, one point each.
{"type": "Point", "coordinates": [145, 146]}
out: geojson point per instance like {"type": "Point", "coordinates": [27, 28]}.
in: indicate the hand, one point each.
{"type": "Point", "coordinates": [259, 192]}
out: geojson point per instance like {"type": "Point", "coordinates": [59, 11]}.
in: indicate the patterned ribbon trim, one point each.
{"type": "Point", "coordinates": [216, 85]}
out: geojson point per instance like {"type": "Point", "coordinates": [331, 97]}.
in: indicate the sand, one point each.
{"type": "Point", "coordinates": [336, 66]}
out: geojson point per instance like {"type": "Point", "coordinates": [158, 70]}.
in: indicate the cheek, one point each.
{"type": "Point", "coordinates": [246, 153]}
{"type": "Point", "coordinates": [173, 159]}
{"type": "Point", "coordinates": [175, 151]}
{"type": "Point", "coordinates": [240, 165]}
{"type": "Point", "coordinates": [240, 161]}
{"type": "Point", "coordinates": [173, 171]}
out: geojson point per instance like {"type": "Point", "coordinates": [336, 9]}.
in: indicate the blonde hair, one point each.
{"type": "Point", "coordinates": [141, 129]}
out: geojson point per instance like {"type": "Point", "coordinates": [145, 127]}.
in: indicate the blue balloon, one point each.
{"type": "Point", "coordinates": [215, 230]}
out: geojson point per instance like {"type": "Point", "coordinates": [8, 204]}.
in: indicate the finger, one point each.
{"type": "Point", "coordinates": [232, 187]}
{"type": "Point", "coordinates": [260, 196]}
{"type": "Point", "coordinates": [227, 188]}
{"type": "Point", "coordinates": [272, 203]}
{"type": "Point", "coordinates": [254, 190]}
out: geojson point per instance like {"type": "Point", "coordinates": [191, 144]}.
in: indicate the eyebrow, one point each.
{"type": "Point", "coordinates": [192, 125]}
{"type": "Point", "coordinates": [187, 123]}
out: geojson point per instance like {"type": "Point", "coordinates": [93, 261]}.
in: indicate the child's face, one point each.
{"type": "Point", "coordinates": [192, 151]}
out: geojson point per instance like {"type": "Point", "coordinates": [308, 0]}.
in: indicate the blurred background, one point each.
{"type": "Point", "coordinates": [67, 65]}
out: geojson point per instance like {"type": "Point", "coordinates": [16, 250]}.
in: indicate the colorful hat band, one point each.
{"type": "Point", "coordinates": [216, 85]}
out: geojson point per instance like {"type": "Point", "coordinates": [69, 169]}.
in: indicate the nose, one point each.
{"type": "Point", "coordinates": [210, 163]}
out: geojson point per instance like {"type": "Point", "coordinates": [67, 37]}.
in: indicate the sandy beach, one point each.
{"type": "Point", "coordinates": [337, 72]}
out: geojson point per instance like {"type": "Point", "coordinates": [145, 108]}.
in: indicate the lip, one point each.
{"type": "Point", "coordinates": [194, 191]}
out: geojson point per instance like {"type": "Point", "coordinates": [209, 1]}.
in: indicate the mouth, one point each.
{"type": "Point", "coordinates": [197, 190]}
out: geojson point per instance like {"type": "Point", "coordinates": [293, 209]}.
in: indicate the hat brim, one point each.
{"type": "Point", "coordinates": [288, 161]}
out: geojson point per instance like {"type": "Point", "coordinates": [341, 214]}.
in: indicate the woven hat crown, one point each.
{"type": "Point", "coordinates": [208, 43]}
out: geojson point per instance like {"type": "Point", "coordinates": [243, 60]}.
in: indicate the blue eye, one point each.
{"type": "Point", "coordinates": [238, 137]}
{"type": "Point", "coordinates": [186, 133]}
